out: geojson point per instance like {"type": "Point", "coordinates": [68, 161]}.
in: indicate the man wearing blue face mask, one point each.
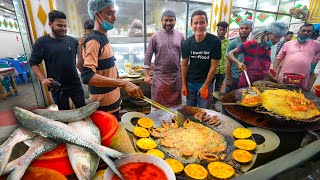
{"type": "Point", "coordinates": [99, 69]}
{"type": "Point", "coordinates": [257, 52]}
{"type": "Point", "coordinates": [298, 55]}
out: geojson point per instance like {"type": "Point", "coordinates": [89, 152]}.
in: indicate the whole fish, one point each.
{"type": "Point", "coordinates": [64, 133]}
{"type": "Point", "coordinates": [19, 135]}
{"type": "Point", "coordinates": [84, 162]}
{"type": "Point", "coordinates": [18, 166]}
{"type": "Point", "coordinates": [69, 115]}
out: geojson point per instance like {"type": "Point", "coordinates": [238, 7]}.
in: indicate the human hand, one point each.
{"type": "Point", "coordinates": [184, 90]}
{"type": "Point", "coordinates": [81, 41]}
{"type": "Point", "coordinates": [241, 66]}
{"type": "Point", "coordinates": [148, 80]}
{"type": "Point", "coordinates": [47, 81]}
{"type": "Point", "coordinates": [204, 92]}
{"type": "Point", "coordinates": [133, 90]}
{"type": "Point", "coordinates": [228, 81]}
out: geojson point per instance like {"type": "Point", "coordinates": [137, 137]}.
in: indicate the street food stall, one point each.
{"type": "Point", "coordinates": [205, 144]}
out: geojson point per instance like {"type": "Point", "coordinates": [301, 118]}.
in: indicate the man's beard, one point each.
{"type": "Point", "coordinates": [57, 34]}
{"type": "Point", "coordinates": [244, 36]}
{"type": "Point", "coordinates": [168, 30]}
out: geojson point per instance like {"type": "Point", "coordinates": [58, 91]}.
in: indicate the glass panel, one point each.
{"type": "Point", "coordinates": [237, 15]}
{"type": "Point", "coordinates": [299, 4]}
{"type": "Point", "coordinates": [154, 12]}
{"type": "Point", "coordinates": [205, 1]}
{"type": "Point", "coordinates": [284, 18]}
{"type": "Point", "coordinates": [14, 54]}
{"type": "Point", "coordinates": [270, 5]}
{"type": "Point", "coordinates": [295, 27]}
{"type": "Point", "coordinates": [243, 3]}
{"type": "Point", "coordinates": [263, 19]}
{"type": "Point", "coordinates": [194, 7]}
{"type": "Point", "coordinates": [285, 6]}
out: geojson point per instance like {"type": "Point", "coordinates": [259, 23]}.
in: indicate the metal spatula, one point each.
{"type": "Point", "coordinates": [247, 78]}
{"type": "Point", "coordinates": [177, 115]}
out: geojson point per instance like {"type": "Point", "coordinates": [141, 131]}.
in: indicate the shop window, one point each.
{"type": "Point", "coordinates": [285, 6]}
{"type": "Point", "coordinates": [194, 7]}
{"type": "Point", "coordinates": [284, 18]}
{"type": "Point", "coordinates": [270, 5]}
{"type": "Point", "coordinates": [263, 19]}
{"type": "Point", "coordinates": [244, 3]}
{"type": "Point", "coordinates": [237, 15]}
{"type": "Point", "coordinates": [155, 9]}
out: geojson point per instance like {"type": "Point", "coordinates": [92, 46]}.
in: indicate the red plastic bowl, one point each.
{"type": "Point", "coordinates": [107, 124]}
{"type": "Point", "coordinates": [56, 159]}
{"type": "Point", "coordinates": [293, 79]}
{"type": "Point", "coordinates": [317, 89]}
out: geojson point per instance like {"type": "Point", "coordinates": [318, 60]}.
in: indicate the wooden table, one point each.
{"type": "Point", "coordinates": [7, 72]}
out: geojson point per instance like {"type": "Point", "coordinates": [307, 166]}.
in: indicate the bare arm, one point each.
{"type": "Point", "coordinates": [80, 55]}
{"type": "Point", "coordinates": [276, 64]}
{"type": "Point", "coordinates": [184, 70]}
{"type": "Point", "coordinates": [147, 77]}
{"type": "Point", "coordinates": [228, 71]}
{"type": "Point", "coordinates": [44, 81]}
{"type": "Point", "coordinates": [102, 81]}
{"type": "Point", "coordinates": [231, 56]}
{"type": "Point", "coordinates": [80, 59]}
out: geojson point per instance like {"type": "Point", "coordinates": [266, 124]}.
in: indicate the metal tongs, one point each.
{"type": "Point", "coordinates": [177, 115]}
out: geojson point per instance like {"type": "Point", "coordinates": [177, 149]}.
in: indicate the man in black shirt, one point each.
{"type": "Point", "coordinates": [59, 53]}
{"type": "Point", "coordinates": [202, 51]}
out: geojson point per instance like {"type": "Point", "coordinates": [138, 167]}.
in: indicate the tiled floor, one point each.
{"type": "Point", "coordinates": [25, 97]}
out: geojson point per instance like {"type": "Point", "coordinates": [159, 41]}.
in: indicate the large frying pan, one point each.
{"type": "Point", "coordinates": [225, 128]}
{"type": "Point", "coordinates": [248, 115]}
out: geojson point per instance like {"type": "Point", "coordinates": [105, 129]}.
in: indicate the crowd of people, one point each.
{"type": "Point", "coordinates": [194, 67]}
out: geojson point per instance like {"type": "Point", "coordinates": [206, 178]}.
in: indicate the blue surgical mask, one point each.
{"type": "Point", "coordinates": [105, 24]}
{"type": "Point", "coordinates": [302, 40]}
{"type": "Point", "coordinates": [269, 42]}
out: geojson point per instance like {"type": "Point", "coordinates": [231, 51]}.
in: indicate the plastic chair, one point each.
{"type": "Point", "coordinates": [6, 82]}
{"type": "Point", "coordinates": [21, 71]}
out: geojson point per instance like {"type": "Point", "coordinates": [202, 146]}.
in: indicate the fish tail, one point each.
{"type": "Point", "coordinates": [4, 158]}
{"type": "Point", "coordinates": [109, 162]}
{"type": "Point", "coordinates": [111, 152]}
{"type": "Point", "coordinates": [17, 173]}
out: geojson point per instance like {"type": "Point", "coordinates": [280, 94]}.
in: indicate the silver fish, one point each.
{"type": "Point", "coordinates": [69, 115]}
{"type": "Point", "coordinates": [84, 162]}
{"type": "Point", "coordinates": [19, 135]}
{"type": "Point", "coordinates": [64, 133]}
{"type": "Point", "coordinates": [18, 166]}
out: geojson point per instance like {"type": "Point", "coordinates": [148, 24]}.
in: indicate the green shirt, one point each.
{"type": "Point", "coordinates": [221, 68]}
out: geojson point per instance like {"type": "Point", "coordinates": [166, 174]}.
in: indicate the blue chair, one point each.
{"type": "Point", "coordinates": [21, 71]}
{"type": "Point", "coordinates": [6, 82]}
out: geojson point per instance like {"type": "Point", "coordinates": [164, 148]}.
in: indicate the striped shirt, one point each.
{"type": "Point", "coordinates": [257, 60]}
{"type": "Point", "coordinates": [101, 62]}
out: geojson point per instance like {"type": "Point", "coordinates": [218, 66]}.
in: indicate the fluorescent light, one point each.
{"type": "Point", "coordinates": [2, 4]}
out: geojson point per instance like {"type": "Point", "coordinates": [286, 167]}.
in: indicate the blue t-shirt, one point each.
{"type": "Point", "coordinates": [235, 43]}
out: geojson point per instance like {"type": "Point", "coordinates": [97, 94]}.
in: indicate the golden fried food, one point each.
{"type": "Point", "coordinates": [175, 165]}
{"type": "Point", "coordinates": [192, 142]}
{"type": "Point", "coordinates": [196, 171]}
{"type": "Point", "coordinates": [145, 122]}
{"type": "Point", "coordinates": [146, 144]}
{"type": "Point", "coordinates": [221, 170]}
{"type": "Point", "coordinates": [141, 132]}
{"type": "Point", "coordinates": [245, 144]}
{"type": "Point", "coordinates": [289, 104]}
{"type": "Point", "coordinates": [242, 156]}
{"type": "Point", "coordinates": [156, 152]}
{"type": "Point", "coordinates": [241, 133]}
